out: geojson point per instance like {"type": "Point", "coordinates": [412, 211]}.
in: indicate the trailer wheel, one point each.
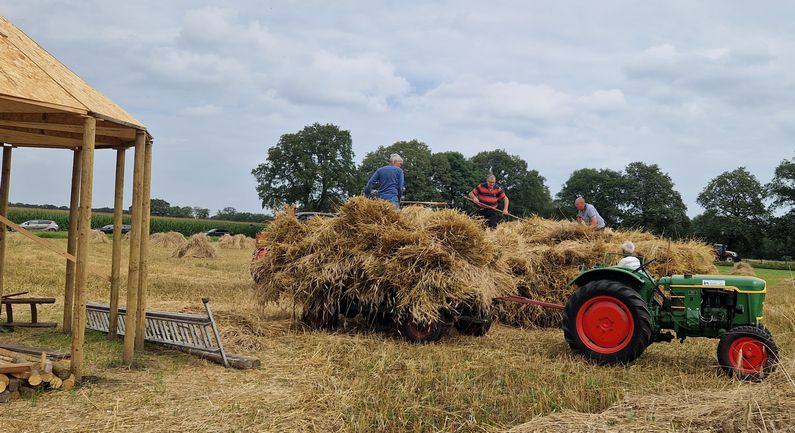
{"type": "Point", "coordinates": [421, 332]}
{"type": "Point", "coordinates": [748, 353]}
{"type": "Point", "coordinates": [465, 327]}
{"type": "Point", "coordinates": [608, 322]}
{"type": "Point", "coordinates": [317, 315]}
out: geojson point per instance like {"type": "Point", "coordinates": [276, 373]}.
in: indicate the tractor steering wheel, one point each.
{"type": "Point", "coordinates": [643, 266]}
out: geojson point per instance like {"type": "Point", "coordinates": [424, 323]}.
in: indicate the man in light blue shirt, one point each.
{"type": "Point", "coordinates": [588, 214]}
{"type": "Point", "coordinates": [390, 181]}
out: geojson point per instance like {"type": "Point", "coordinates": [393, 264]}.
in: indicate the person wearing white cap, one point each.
{"type": "Point", "coordinates": [390, 181]}
{"type": "Point", "coordinates": [629, 261]}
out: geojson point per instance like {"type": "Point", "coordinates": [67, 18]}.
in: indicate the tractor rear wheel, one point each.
{"type": "Point", "coordinates": [421, 332]}
{"type": "Point", "coordinates": [748, 353]}
{"type": "Point", "coordinates": [608, 322]}
{"type": "Point", "coordinates": [729, 259]}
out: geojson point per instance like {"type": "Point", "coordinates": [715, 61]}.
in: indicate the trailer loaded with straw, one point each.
{"type": "Point", "coordinates": [425, 270]}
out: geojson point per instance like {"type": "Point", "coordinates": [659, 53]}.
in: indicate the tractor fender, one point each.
{"type": "Point", "coordinates": [632, 279]}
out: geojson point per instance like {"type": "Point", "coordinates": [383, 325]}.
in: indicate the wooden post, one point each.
{"type": "Point", "coordinates": [133, 274]}
{"type": "Point", "coordinates": [81, 268]}
{"type": "Point", "coordinates": [5, 185]}
{"type": "Point", "coordinates": [71, 244]}
{"type": "Point", "coordinates": [140, 329]}
{"type": "Point", "coordinates": [118, 203]}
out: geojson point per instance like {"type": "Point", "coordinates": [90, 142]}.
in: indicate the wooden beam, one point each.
{"type": "Point", "coordinates": [133, 272]}
{"type": "Point", "coordinates": [19, 137]}
{"type": "Point", "coordinates": [14, 104]}
{"type": "Point", "coordinates": [86, 189]}
{"type": "Point", "coordinates": [118, 204]}
{"type": "Point", "coordinates": [124, 133]}
{"type": "Point", "coordinates": [71, 244]}
{"type": "Point", "coordinates": [5, 179]}
{"type": "Point", "coordinates": [145, 217]}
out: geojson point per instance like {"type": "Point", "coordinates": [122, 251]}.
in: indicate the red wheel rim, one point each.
{"type": "Point", "coordinates": [605, 324]}
{"type": "Point", "coordinates": [748, 355]}
{"type": "Point", "coordinates": [420, 331]}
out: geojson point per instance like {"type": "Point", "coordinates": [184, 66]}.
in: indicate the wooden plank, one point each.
{"type": "Point", "coordinates": [20, 137]}
{"type": "Point", "coordinates": [5, 179]}
{"type": "Point", "coordinates": [36, 351]}
{"type": "Point", "coordinates": [30, 325]}
{"type": "Point", "coordinates": [21, 367]}
{"type": "Point", "coordinates": [15, 301]}
{"type": "Point", "coordinates": [144, 265]}
{"type": "Point", "coordinates": [84, 232]}
{"type": "Point", "coordinates": [124, 133]}
{"type": "Point", "coordinates": [118, 205]}
{"type": "Point", "coordinates": [71, 243]}
{"type": "Point", "coordinates": [133, 273]}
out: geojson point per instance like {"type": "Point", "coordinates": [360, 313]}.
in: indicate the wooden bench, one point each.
{"type": "Point", "coordinates": [9, 302]}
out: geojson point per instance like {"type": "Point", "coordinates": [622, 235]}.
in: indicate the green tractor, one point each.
{"type": "Point", "coordinates": [617, 312]}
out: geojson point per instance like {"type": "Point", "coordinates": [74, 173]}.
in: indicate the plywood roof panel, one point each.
{"type": "Point", "coordinates": [28, 72]}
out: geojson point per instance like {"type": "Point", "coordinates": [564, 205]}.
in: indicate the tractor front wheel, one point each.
{"type": "Point", "coordinates": [421, 332]}
{"type": "Point", "coordinates": [608, 322]}
{"type": "Point", "coordinates": [729, 259]}
{"type": "Point", "coordinates": [748, 353]}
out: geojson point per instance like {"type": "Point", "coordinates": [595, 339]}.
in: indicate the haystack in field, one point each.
{"type": "Point", "coordinates": [198, 246]}
{"type": "Point", "coordinates": [168, 240]}
{"type": "Point", "coordinates": [416, 261]}
{"type": "Point", "coordinates": [545, 255]}
{"type": "Point", "coordinates": [97, 237]}
{"type": "Point", "coordinates": [742, 268]}
{"type": "Point", "coordinates": [236, 242]}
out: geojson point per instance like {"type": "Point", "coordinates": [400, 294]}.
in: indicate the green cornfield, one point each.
{"type": "Point", "coordinates": [186, 226]}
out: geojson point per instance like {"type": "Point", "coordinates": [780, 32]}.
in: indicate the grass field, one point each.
{"type": "Point", "coordinates": [353, 380]}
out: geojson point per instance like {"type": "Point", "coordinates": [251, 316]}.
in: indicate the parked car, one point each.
{"type": "Point", "coordinates": [108, 229]}
{"type": "Point", "coordinates": [47, 225]}
{"type": "Point", "coordinates": [219, 232]}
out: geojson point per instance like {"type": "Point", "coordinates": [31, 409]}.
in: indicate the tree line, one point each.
{"type": "Point", "coordinates": [315, 169]}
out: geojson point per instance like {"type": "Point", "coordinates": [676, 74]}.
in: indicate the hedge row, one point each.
{"type": "Point", "coordinates": [186, 226]}
{"type": "Point", "coordinates": [765, 264]}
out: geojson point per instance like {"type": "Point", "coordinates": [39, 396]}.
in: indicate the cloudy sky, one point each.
{"type": "Point", "coordinates": [696, 87]}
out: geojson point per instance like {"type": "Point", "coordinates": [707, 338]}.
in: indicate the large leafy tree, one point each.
{"type": "Point", "coordinates": [651, 201]}
{"type": "Point", "coordinates": [604, 189]}
{"type": "Point", "coordinates": [525, 188]}
{"type": "Point", "coordinates": [734, 211]}
{"type": "Point", "coordinates": [313, 168]}
{"type": "Point", "coordinates": [417, 168]}
{"type": "Point", "coordinates": [453, 177]}
{"type": "Point", "coordinates": [782, 187]}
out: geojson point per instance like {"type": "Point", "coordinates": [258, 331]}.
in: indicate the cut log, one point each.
{"type": "Point", "coordinates": [3, 386]}
{"type": "Point", "coordinates": [69, 383]}
{"type": "Point", "coordinates": [13, 384]}
{"type": "Point", "coordinates": [35, 378]}
{"type": "Point", "coordinates": [4, 379]}
{"type": "Point", "coordinates": [56, 383]}
{"type": "Point", "coordinates": [15, 395]}
{"type": "Point", "coordinates": [16, 368]}
{"type": "Point", "coordinates": [5, 396]}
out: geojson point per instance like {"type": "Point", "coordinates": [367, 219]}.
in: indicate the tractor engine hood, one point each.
{"type": "Point", "coordinates": [720, 282]}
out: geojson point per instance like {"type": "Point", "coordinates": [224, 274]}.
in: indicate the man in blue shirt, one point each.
{"type": "Point", "coordinates": [587, 214]}
{"type": "Point", "coordinates": [390, 181]}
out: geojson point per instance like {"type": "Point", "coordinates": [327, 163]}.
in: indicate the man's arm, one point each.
{"type": "Point", "coordinates": [370, 183]}
{"type": "Point", "coordinates": [505, 202]}
{"type": "Point", "coordinates": [591, 212]}
{"type": "Point", "coordinates": [401, 186]}
{"type": "Point", "coordinates": [473, 196]}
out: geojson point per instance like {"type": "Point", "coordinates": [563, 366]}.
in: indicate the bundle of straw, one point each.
{"type": "Point", "coordinates": [198, 246]}
{"type": "Point", "coordinates": [236, 242]}
{"type": "Point", "coordinates": [98, 237]}
{"type": "Point", "coordinates": [168, 240]}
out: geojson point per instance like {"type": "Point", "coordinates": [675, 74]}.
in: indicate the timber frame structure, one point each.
{"type": "Point", "coordinates": [45, 105]}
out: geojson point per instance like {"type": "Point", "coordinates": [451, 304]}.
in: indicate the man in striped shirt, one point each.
{"type": "Point", "coordinates": [486, 196]}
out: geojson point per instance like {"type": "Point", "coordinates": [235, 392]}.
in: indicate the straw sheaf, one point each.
{"type": "Point", "coordinates": [168, 240]}
{"type": "Point", "coordinates": [97, 237]}
{"type": "Point", "coordinates": [742, 268]}
{"type": "Point", "coordinates": [198, 246]}
{"type": "Point", "coordinates": [236, 242]}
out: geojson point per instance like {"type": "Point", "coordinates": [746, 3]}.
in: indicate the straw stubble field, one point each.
{"type": "Point", "coordinates": [361, 381]}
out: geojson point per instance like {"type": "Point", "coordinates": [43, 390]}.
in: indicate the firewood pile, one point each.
{"type": "Point", "coordinates": [23, 375]}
